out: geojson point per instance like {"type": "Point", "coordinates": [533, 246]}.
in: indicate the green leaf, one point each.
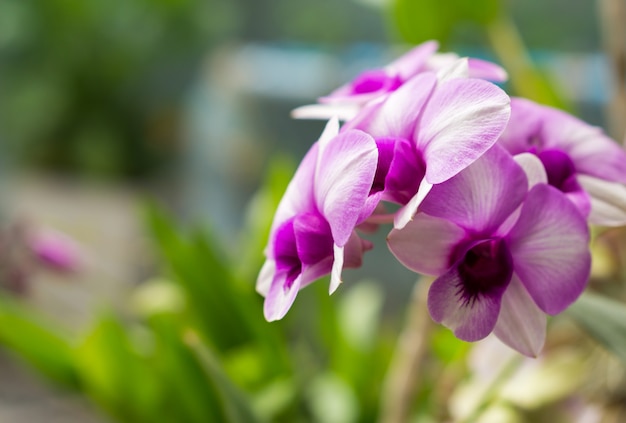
{"type": "Point", "coordinates": [237, 407]}
{"type": "Point", "coordinates": [604, 320]}
{"type": "Point", "coordinates": [115, 374]}
{"type": "Point", "coordinates": [42, 347]}
{"type": "Point", "coordinates": [421, 20]}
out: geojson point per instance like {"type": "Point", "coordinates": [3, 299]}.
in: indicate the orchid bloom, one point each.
{"type": "Point", "coordinates": [313, 230]}
{"type": "Point", "coordinates": [580, 160]}
{"type": "Point", "coordinates": [373, 84]}
{"type": "Point", "coordinates": [503, 255]}
{"type": "Point", "coordinates": [429, 130]}
{"type": "Point", "coordinates": [55, 250]}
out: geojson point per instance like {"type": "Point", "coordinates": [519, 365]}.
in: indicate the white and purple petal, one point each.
{"type": "Point", "coordinates": [608, 201]}
{"type": "Point", "coordinates": [426, 244]}
{"type": "Point", "coordinates": [549, 243]}
{"type": "Point", "coordinates": [469, 320]}
{"type": "Point", "coordinates": [482, 196]}
{"type": "Point", "coordinates": [521, 324]}
{"type": "Point", "coordinates": [343, 179]}
{"type": "Point", "coordinates": [462, 120]}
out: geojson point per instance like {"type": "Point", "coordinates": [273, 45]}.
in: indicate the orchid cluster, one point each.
{"type": "Point", "coordinates": [493, 196]}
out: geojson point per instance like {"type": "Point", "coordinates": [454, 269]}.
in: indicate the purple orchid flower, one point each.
{"type": "Point", "coordinates": [55, 250]}
{"type": "Point", "coordinates": [580, 160]}
{"type": "Point", "coordinates": [503, 255]}
{"type": "Point", "coordinates": [313, 230]}
{"type": "Point", "coordinates": [373, 84]}
{"type": "Point", "coordinates": [429, 130]}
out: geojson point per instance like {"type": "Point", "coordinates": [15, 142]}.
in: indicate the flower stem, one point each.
{"type": "Point", "coordinates": [407, 365]}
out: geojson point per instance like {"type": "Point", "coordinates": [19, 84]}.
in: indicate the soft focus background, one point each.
{"type": "Point", "coordinates": [124, 120]}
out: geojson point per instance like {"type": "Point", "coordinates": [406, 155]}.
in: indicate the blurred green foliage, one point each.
{"type": "Point", "coordinates": [95, 87]}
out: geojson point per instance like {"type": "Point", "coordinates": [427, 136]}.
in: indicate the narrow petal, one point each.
{"type": "Point", "coordinates": [608, 201]}
{"type": "Point", "coordinates": [280, 297]}
{"type": "Point", "coordinates": [470, 321]}
{"type": "Point", "coordinates": [462, 120]}
{"type": "Point", "coordinates": [406, 213]}
{"type": "Point", "coordinates": [532, 166]}
{"type": "Point", "coordinates": [549, 245]}
{"type": "Point", "coordinates": [521, 324]}
{"type": "Point", "coordinates": [266, 275]}
{"type": "Point", "coordinates": [335, 274]}
{"type": "Point", "coordinates": [343, 179]}
{"type": "Point", "coordinates": [326, 111]}
{"type": "Point", "coordinates": [425, 245]}
{"type": "Point", "coordinates": [482, 196]}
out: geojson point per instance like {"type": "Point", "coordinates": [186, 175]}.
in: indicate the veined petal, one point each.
{"type": "Point", "coordinates": [549, 245]}
{"type": "Point", "coordinates": [532, 166]}
{"type": "Point", "coordinates": [459, 68]}
{"type": "Point", "coordinates": [413, 61]}
{"type": "Point", "coordinates": [486, 70]}
{"type": "Point", "coordinates": [462, 120]}
{"type": "Point", "coordinates": [592, 151]}
{"type": "Point", "coordinates": [299, 194]}
{"type": "Point", "coordinates": [608, 201]}
{"type": "Point", "coordinates": [470, 321]}
{"type": "Point", "coordinates": [483, 195]}
{"type": "Point", "coordinates": [425, 244]}
{"type": "Point", "coordinates": [521, 324]}
{"type": "Point", "coordinates": [280, 297]}
{"type": "Point", "coordinates": [343, 179]}
{"type": "Point", "coordinates": [397, 115]}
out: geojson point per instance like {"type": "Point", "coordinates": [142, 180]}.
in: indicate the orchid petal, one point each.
{"type": "Point", "coordinates": [343, 178]}
{"type": "Point", "coordinates": [459, 68]}
{"type": "Point", "coordinates": [593, 152]}
{"type": "Point", "coordinates": [549, 244]}
{"type": "Point", "coordinates": [425, 245]}
{"type": "Point", "coordinates": [532, 166]}
{"type": "Point", "coordinates": [266, 275]}
{"type": "Point", "coordinates": [521, 324]}
{"type": "Point", "coordinates": [608, 201]}
{"type": "Point", "coordinates": [462, 120]}
{"type": "Point", "coordinates": [482, 196]}
{"type": "Point", "coordinates": [413, 61]}
{"type": "Point", "coordinates": [470, 321]}
{"type": "Point", "coordinates": [406, 213]}
{"type": "Point", "coordinates": [486, 70]}
{"type": "Point", "coordinates": [280, 297]}
{"type": "Point", "coordinates": [325, 111]}
{"type": "Point", "coordinates": [397, 115]}
{"type": "Point", "coordinates": [335, 274]}
{"type": "Point", "coordinates": [299, 194]}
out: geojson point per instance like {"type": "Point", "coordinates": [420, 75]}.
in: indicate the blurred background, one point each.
{"type": "Point", "coordinates": [108, 105]}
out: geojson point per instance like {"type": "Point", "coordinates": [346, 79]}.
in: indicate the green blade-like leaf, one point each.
{"type": "Point", "coordinates": [604, 319]}
{"type": "Point", "coordinates": [42, 347]}
{"type": "Point", "coordinates": [114, 374]}
{"type": "Point", "coordinates": [236, 406]}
